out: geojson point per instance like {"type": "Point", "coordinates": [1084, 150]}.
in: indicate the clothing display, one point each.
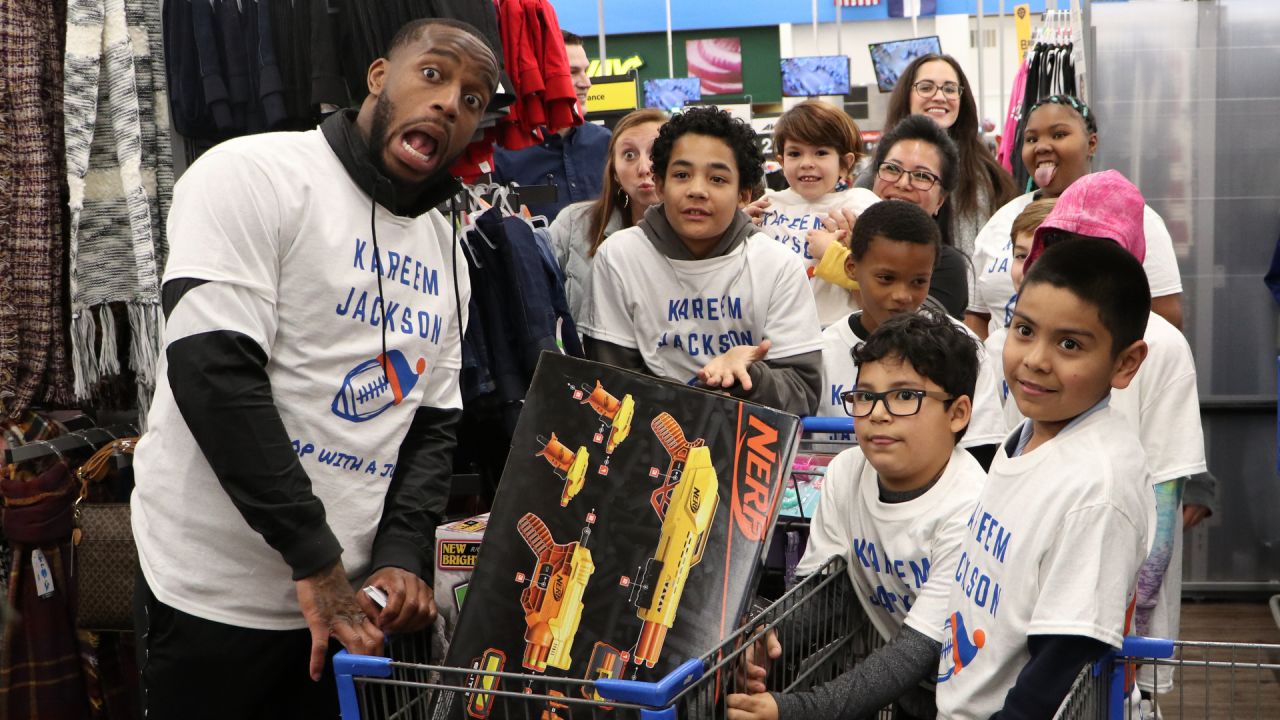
{"type": "Point", "coordinates": [120, 177]}
{"type": "Point", "coordinates": [33, 354]}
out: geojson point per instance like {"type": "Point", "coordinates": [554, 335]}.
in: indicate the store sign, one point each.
{"type": "Point", "coordinates": [613, 94]}
{"type": "Point", "coordinates": [614, 66]}
{"type": "Point", "coordinates": [1022, 23]}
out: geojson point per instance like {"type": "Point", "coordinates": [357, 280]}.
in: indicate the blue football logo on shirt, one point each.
{"type": "Point", "coordinates": [376, 385]}
{"type": "Point", "coordinates": [957, 649]}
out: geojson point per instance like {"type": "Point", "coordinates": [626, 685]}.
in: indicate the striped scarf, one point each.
{"type": "Point", "coordinates": [119, 172]}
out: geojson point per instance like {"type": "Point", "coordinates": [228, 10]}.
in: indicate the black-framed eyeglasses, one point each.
{"type": "Point", "coordinates": [927, 88]}
{"type": "Point", "coordinates": [900, 402]}
{"type": "Point", "coordinates": [920, 179]}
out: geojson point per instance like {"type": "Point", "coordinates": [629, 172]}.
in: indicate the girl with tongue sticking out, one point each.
{"type": "Point", "coordinates": [1058, 145]}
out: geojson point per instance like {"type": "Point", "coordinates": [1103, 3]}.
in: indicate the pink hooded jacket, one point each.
{"type": "Point", "coordinates": [1102, 204]}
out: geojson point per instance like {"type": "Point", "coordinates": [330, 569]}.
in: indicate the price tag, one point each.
{"type": "Point", "coordinates": [40, 569]}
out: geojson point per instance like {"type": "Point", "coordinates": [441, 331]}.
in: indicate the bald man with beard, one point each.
{"type": "Point", "coordinates": [300, 441]}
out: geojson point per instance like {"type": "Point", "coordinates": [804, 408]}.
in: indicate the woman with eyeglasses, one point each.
{"type": "Point", "coordinates": [934, 86]}
{"type": "Point", "coordinates": [917, 162]}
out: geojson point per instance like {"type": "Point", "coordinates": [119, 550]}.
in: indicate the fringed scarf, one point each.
{"type": "Point", "coordinates": [119, 171]}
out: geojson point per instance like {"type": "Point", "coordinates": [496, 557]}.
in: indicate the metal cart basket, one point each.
{"type": "Point", "coordinates": [1212, 680]}
{"type": "Point", "coordinates": [820, 622]}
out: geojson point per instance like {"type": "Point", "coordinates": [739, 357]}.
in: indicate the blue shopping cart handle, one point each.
{"type": "Point", "coordinates": [827, 424]}
{"type": "Point", "coordinates": [653, 694]}
{"type": "Point", "coordinates": [344, 663]}
{"type": "Point", "coordinates": [1145, 647]}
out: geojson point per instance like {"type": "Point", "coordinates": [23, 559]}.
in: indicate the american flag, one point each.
{"type": "Point", "coordinates": [857, 3]}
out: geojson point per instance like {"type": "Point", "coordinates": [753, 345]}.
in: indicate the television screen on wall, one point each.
{"type": "Point", "coordinates": [890, 58]}
{"type": "Point", "coordinates": [815, 75]}
{"type": "Point", "coordinates": [671, 93]}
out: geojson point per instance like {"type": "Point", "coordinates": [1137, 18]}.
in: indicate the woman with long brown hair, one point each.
{"type": "Point", "coordinates": [935, 86]}
{"type": "Point", "coordinates": [628, 190]}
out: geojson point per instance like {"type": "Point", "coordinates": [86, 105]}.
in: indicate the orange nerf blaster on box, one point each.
{"type": "Point", "coordinates": [687, 504]}
{"type": "Point", "coordinates": [618, 413]}
{"type": "Point", "coordinates": [553, 600]}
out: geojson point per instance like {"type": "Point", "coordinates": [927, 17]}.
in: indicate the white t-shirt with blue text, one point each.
{"type": "Point", "coordinates": [790, 217]}
{"type": "Point", "coordinates": [1052, 547]}
{"type": "Point", "coordinates": [682, 314]}
{"type": "Point", "coordinates": [901, 556]}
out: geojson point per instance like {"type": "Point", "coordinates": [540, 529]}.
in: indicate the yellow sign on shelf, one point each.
{"type": "Point", "coordinates": [613, 95]}
{"type": "Point", "coordinates": [1022, 22]}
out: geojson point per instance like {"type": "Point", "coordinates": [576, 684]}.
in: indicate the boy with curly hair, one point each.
{"type": "Point", "coordinates": [695, 293]}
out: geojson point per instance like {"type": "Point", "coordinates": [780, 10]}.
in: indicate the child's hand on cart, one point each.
{"type": "Point", "coordinates": [759, 706]}
{"type": "Point", "coordinates": [411, 603]}
{"type": "Point", "coordinates": [756, 660]}
{"type": "Point", "coordinates": [329, 607]}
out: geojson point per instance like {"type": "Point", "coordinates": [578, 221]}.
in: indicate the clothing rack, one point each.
{"type": "Point", "coordinates": [72, 441]}
{"type": "Point", "coordinates": [516, 195]}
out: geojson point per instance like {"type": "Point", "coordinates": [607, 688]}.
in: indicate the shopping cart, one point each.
{"type": "Point", "coordinates": [820, 622]}
{"type": "Point", "coordinates": [1212, 680]}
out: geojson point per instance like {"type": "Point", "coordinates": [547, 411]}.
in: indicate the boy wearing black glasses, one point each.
{"type": "Point", "coordinates": [896, 508]}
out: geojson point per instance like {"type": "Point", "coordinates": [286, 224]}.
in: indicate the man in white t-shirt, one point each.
{"type": "Point", "coordinates": [895, 508]}
{"type": "Point", "coordinates": [695, 293]}
{"type": "Point", "coordinates": [302, 431]}
{"type": "Point", "coordinates": [1049, 563]}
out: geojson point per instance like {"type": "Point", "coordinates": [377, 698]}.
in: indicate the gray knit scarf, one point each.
{"type": "Point", "coordinates": [120, 175]}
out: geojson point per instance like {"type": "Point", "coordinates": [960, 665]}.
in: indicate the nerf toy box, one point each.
{"type": "Point", "coordinates": [457, 547]}
{"type": "Point", "coordinates": [625, 534]}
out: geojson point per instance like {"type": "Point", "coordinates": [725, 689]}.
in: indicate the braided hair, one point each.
{"type": "Point", "coordinates": [1073, 102]}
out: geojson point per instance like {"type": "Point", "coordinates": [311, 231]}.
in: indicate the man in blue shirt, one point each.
{"type": "Point", "coordinates": [572, 160]}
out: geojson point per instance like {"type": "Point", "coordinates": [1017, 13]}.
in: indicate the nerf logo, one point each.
{"type": "Point", "coordinates": [751, 496]}
{"type": "Point", "coordinates": [557, 588]}
{"type": "Point", "coordinates": [695, 500]}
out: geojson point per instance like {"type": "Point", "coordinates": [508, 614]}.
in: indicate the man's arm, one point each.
{"type": "Point", "coordinates": [415, 505]}
{"type": "Point", "coordinates": [1047, 677]}
{"type": "Point", "coordinates": [220, 385]}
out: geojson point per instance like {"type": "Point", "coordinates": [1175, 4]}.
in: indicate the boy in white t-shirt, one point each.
{"type": "Point", "coordinates": [1162, 401]}
{"type": "Point", "coordinates": [895, 507]}
{"type": "Point", "coordinates": [818, 145]}
{"type": "Point", "coordinates": [892, 251]}
{"type": "Point", "coordinates": [1050, 561]}
{"type": "Point", "coordinates": [697, 294]}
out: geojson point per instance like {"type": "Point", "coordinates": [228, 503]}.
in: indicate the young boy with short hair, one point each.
{"type": "Point", "coordinates": [891, 255]}
{"type": "Point", "coordinates": [1050, 559]}
{"type": "Point", "coordinates": [1162, 402]}
{"type": "Point", "coordinates": [895, 507]}
{"type": "Point", "coordinates": [695, 293]}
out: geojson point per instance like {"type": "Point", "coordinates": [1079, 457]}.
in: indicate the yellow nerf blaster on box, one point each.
{"type": "Point", "coordinates": [618, 413]}
{"type": "Point", "coordinates": [687, 504]}
{"type": "Point", "coordinates": [572, 464]}
{"type": "Point", "coordinates": [553, 600]}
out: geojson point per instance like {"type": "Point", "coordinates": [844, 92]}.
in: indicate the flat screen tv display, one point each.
{"type": "Point", "coordinates": [815, 75]}
{"type": "Point", "coordinates": [670, 93]}
{"type": "Point", "coordinates": [890, 58]}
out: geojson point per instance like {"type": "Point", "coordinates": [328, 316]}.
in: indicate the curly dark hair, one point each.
{"type": "Point", "coordinates": [937, 347]}
{"type": "Point", "coordinates": [716, 123]}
